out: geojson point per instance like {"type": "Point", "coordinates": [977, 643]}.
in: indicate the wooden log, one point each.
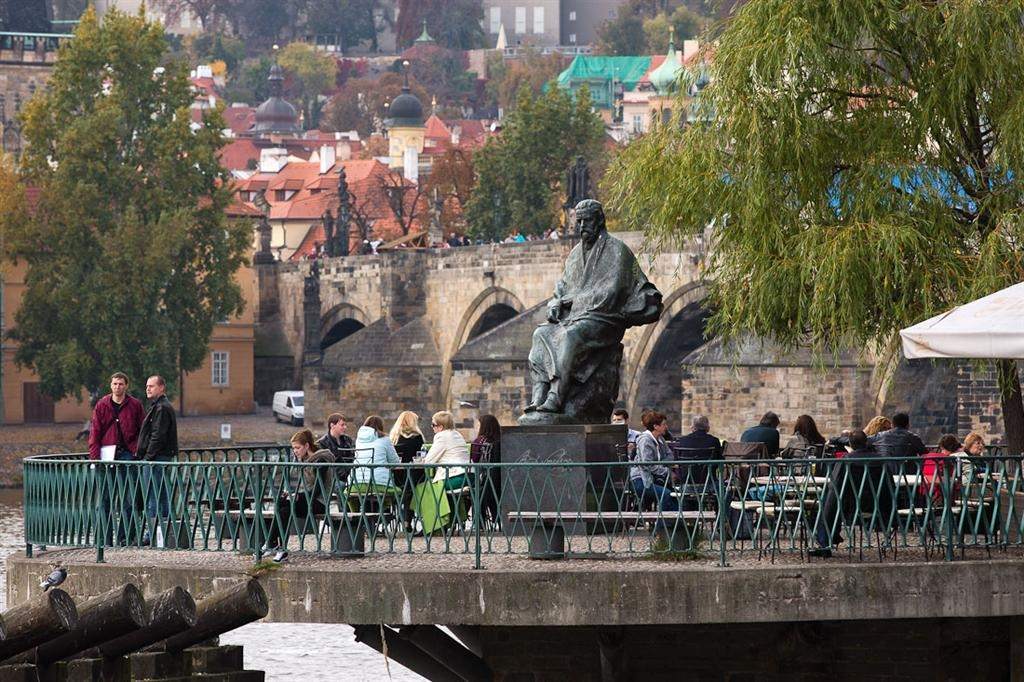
{"type": "Point", "coordinates": [170, 612]}
{"type": "Point", "coordinates": [38, 620]}
{"type": "Point", "coordinates": [221, 612]}
{"type": "Point", "coordinates": [102, 618]}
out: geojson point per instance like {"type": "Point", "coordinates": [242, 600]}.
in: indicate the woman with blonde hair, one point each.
{"type": "Point", "coordinates": [877, 425]}
{"type": "Point", "coordinates": [449, 447]}
{"type": "Point", "coordinates": [408, 440]}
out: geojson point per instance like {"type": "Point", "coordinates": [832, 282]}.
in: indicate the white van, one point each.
{"type": "Point", "coordinates": [288, 406]}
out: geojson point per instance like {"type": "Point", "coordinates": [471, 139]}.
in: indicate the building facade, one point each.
{"type": "Point", "coordinates": [581, 19]}
{"type": "Point", "coordinates": [526, 22]}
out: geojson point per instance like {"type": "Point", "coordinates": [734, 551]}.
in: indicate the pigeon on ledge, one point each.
{"type": "Point", "coordinates": [56, 577]}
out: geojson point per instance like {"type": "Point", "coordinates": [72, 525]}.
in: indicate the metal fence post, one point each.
{"type": "Point", "coordinates": [476, 514]}
{"type": "Point", "coordinates": [721, 515]}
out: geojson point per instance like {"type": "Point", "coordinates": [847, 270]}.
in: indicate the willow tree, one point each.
{"type": "Point", "coordinates": [130, 260]}
{"type": "Point", "coordinates": [859, 165]}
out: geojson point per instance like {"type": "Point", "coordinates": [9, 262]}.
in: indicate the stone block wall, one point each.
{"type": "Point", "coordinates": [735, 398]}
{"type": "Point", "coordinates": [498, 388]}
{"type": "Point", "coordinates": [360, 392]}
{"type": "Point", "coordinates": [978, 402]}
{"type": "Point", "coordinates": [892, 650]}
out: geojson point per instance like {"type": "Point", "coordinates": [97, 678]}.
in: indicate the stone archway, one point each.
{"type": "Point", "coordinates": [490, 308]}
{"type": "Point", "coordinates": [339, 323]}
{"type": "Point", "coordinates": [653, 373]}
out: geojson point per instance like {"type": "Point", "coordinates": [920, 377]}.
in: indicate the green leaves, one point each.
{"type": "Point", "coordinates": [519, 173]}
{"type": "Point", "coordinates": [861, 169]}
{"type": "Point", "coordinates": [130, 261]}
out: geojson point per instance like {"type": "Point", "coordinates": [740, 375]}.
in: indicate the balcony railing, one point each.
{"type": "Point", "coordinates": [718, 511]}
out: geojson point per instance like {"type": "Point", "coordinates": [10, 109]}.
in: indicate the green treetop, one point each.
{"type": "Point", "coordinates": [314, 75]}
{"type": "Point", "coordinates": [130, 260]}
{"type": "Point", "coordinates": [859, 164]}
{"type": "Point", "coordinates": [519, 173]}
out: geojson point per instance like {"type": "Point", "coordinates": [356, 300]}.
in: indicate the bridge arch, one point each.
{"type": "Point", "coordinates": [653, 375]}
{"type": "Point", "coordinates": [340, 322]}
{"type": "Point", "coordinates": [487, 310]}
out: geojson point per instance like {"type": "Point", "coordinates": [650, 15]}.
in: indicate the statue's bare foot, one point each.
{"type": "Point", "coordinates": [530, 408]}
{"type": "Point", "coordinates": [550, 405]}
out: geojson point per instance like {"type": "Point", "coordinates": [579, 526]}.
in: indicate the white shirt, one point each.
{"type": "Point", "coordinates": [449, 447]}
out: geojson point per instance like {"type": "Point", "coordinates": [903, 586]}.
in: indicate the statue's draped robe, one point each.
{"type": "Point", "coordinates": [606, 292]}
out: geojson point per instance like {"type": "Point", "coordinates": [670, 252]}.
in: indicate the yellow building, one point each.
{"type": "Point", "coordinates": [406, 131]}
{"type": "Point", "coordinates": [223, 385]}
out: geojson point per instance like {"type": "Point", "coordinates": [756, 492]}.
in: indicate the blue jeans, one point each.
{"type": "Point", "coordinates": [115, 484]}
{"type": "Point", "coordinates": [153, 485]}
{"type": "Point", "coordinates": [659, 495]}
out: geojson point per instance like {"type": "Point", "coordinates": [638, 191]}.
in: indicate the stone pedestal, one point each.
{"type": "Point", "coordinates": [566, 490]}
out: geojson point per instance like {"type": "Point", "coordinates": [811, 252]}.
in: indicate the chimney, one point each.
{"type": "Point", "coordinates": [456, 134]}
{"type": "Point", "coordinates": [411, 164]}
{"type": "Point", "coordinates": [273, 159]}
{"type": "Point", "coordinates": [327, 158]}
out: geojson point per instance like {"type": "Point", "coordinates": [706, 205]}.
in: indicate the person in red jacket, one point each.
{"type": "Point", "coordinates": [116, 421]}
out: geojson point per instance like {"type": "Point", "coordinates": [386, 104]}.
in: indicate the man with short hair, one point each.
{"type": "Point", "coordinates": [697, 445]}
{"type": "Point", "coordinates": [158, 442]}
{"type": "Point", "coordinates": [700, 438]}
{"type": "Point", "coordinates": [767, 432]}
{"type": "Point", "coordinates": [621, 416]}
{"type": "Point", "coordinates": [335, 440]}
{"type": "Point", "coordinates": [898, 441]}
{"type": "Point", "coordinates": [114, 436]}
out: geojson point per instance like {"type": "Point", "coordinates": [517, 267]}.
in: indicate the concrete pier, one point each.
{"type": "Point", "coordinates": [535, 620]}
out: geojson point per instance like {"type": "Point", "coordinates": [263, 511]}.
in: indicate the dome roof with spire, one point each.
{"type": "Point", "coordinates": [406, 110]}
{"type": "Point", "coordinates": [666, 76]}
{"type": "Point", "coordinates": [276, 115]}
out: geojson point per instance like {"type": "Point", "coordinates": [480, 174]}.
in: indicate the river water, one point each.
{"type": "Point", "coordinates": [286, 651]}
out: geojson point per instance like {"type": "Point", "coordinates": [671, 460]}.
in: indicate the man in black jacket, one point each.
{"type": "Point", "coordinates": [898, 441]}
{"type": "Point", "coordinates": [158, 442]}
{"type": "Point", "coordinates": [335, 440]}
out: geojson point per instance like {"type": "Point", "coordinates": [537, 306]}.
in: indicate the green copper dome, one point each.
{"type": "Point", "coordinates": [665, 77]}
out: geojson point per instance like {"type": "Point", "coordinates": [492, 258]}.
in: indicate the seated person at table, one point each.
{"type": "Point", "coordinates": [374, 448]}
{"type": "Point", "coordinates": [700, 438]}
{"type": "Point", "coordinates": [620, 416]}
{"type": "Point", "coordinates": [649, 474]}
{"type": "Point", "coordinates": [970, 468]}
{"type": "Point", "coordinates": [854, 487]}
{"type": "Point", "coordinates": [805, 435]}
{"type": "Point", "coordinates": [448, 447]}
{"type": "Point", "coordinates": [698, 444]}
{"type": "Point", "coordinates": [308, 498]}
{"type": "Point", "coordinates": [899, 441]}
{"type": "Point", "coordinates": [939, 471]}
{"type": "Point", "coordinates": [840, 444]}
{"type": "Point", "coordinates": [767, 432]}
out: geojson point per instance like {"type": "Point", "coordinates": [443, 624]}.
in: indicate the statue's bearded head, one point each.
{"type": "Point", "coordinates": [590, 220]}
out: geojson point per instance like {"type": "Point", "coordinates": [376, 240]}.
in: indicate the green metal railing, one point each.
{"type": "Point", "coordinates": [258, 499]}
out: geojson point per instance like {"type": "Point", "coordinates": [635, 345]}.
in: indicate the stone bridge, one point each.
{"type": "Point", "coordinates": [430, 329]}
{"type": "Point", "coordinates": [450, 328]}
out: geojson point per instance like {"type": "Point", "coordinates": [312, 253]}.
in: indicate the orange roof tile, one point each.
{"type": "Point", "coordinates": [239, 154]}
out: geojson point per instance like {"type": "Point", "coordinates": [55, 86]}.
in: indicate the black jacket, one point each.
{"type": "Point", "coordinates": [898, 442]}
{"type": "Point", "coordinates": [158, 437]}
{"type": "Point", "coordinates": [342, 448]}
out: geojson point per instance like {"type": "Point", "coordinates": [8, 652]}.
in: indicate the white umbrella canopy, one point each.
{"type": "Point", "coordinates": [989, 328]}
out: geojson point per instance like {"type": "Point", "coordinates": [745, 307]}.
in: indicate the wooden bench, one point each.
{"type": "Point", "coordinates": [547, 530]}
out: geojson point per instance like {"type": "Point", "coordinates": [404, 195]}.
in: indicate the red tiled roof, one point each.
{"type": "Point", "coordinates": [436, 129]}
{"type": "Point", "coordinates": [237, 154]}
{"type": "Point", "coordinates": [240, 119]}
{"type": "Point", "coordinates": [318, 193]}
{"type": "Point", "coordinates": [242, 209]}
